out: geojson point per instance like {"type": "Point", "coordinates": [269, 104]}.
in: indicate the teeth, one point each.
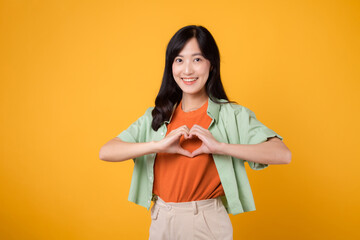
{"type": "Point", "coordinates": [189, 79]}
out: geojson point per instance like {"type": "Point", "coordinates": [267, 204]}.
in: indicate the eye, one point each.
{"type": "Point", "coordinates": [178, 60]}
{"type": "Point", "coordinates": [197, 59]}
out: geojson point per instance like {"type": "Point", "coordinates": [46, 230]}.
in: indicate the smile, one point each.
{"type": "Point", "coordinates": [189, 79]}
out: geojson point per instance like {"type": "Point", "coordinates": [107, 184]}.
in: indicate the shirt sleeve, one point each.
{"type": "Point", "coordinates": [135, 131]}
{"type": "Point", "coordinates": [256, 132]}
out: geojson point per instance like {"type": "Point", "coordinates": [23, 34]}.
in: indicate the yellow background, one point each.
{"type": "Point", "coordinates": [74, 74]}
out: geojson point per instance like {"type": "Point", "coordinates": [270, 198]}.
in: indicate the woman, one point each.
{"type": "Point", "coordinates": [189, 150]}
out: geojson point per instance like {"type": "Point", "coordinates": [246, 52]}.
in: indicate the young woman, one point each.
{"type": "Point", "coordinates": [189, 150]}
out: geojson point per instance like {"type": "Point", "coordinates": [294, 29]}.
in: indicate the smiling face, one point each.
{"type": "Point", "coordinates": [191, 69]}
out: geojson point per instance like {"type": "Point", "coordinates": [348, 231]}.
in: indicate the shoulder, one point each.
{"type": "Point", "coordinates": [148, 113]}
{"type": "Point", "coordinates": [149, 110]}
{"type": "Point", "coordinates": [146, 116]}
{"type": "Point", "coordinates": [234, 109]}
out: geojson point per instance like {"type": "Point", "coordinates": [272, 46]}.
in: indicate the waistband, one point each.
{"type": "Point", "coordinates": [193, 206]}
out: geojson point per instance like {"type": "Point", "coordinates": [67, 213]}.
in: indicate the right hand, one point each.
{"type": "Point", "coordinates": [171, 143]}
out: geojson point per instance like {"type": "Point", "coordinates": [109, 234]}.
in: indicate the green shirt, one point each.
{"type": "Point", "coordinates": [231, 123]}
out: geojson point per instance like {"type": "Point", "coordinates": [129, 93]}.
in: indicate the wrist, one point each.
{"type": "Point", "coordinates": [155, 147]}
{"type": "Point", "coordinates": [221, 149]}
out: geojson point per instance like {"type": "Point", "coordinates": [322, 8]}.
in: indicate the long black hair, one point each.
{"type": "Point", "coordinates": [170, 93]}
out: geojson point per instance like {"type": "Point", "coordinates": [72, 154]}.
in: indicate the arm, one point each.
{"type": "Point", "coordinates": [117, 150]}
{"type": "Point", "coordinates": [273, 151]}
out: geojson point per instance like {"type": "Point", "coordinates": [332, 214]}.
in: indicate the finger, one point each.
{"type": "Point", "coordinates": [186, 127]}
{"type": "Point", "coordinates": [181, 132]}
{"type": "Point", "coordinates": [198, 152]}
{"type": "Point", "coordinates": [183, 127]}
{"type": "Point", "coordinates": [185, 152]}
{"type": "Point", "coordinates": [187, 130]}
{"type": "Point", "coordinates": [195, 126]}
{"type": "Point", "coordinates": [187, 136]}
{"type": "Point", "coordinates": [197, 130]}
{"type": "Point", "coordinates": [197, 133]}
{"type": "Point", "coordinates": [173, 138]}
{"type": "Point", "coordinates": [180, 128]}
{"type": "Point", "coordinates": [185, 133]}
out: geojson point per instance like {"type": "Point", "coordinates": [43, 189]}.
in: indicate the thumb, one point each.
{"type": "Point", "coordinates": [198, 151]}
{"type": "Point", "coordinates": [185, 152]}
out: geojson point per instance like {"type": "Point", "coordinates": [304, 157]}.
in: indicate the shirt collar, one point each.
{"type": "Point", "coordinates": [212, 110]}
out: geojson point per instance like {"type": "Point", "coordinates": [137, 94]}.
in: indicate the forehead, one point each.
{"type": "Point", "coordinates": [191, 47]}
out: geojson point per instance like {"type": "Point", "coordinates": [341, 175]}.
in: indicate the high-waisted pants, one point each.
{"type": "Point", "coordinates": [204, 219]}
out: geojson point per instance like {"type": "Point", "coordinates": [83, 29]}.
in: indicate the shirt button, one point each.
{"type": "Point", "coordinates": [149, 201]}
{"type": "Point", "coordinates": [151, 178]}
{"type": "Point", "coordinates": [162, 133]}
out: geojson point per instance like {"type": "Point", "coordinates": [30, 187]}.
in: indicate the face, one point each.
{"type": "Point", "coordinates": [191, 70]}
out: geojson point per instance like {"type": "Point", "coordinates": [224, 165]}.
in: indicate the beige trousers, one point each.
{"type": "Point", "coordinates": [204, 219]}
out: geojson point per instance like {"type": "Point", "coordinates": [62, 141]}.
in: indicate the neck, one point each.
{"type": "Point", "coordinates": [191, 103]}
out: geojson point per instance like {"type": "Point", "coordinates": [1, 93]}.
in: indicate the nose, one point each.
{"type": "Point", "coordinates": [188, 68]}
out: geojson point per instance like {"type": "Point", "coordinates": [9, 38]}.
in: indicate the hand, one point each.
{"type": "Point", "coordinates": [209, 144]}
{"type": "Point", "coordinates": [171, 143]}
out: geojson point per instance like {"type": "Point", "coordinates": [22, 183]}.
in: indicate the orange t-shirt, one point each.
{"type": "Point", "coordinates": [178, 178]}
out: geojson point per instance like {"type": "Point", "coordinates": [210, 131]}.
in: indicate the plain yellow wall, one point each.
{"type": "Point", "coordinates": [74, 74]}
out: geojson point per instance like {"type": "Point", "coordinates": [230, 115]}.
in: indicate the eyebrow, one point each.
{"type": "Point", "coordinates": [191, 55]}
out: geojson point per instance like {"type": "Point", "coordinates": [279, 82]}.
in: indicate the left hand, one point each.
{"type": "Point", "coordinates": [209, 144]}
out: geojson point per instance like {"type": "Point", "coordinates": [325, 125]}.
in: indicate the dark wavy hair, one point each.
{"type": "Point", "coordinates": [170, 93]}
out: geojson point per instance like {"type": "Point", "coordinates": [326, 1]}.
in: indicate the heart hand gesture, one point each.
{"type": "Point", "coordinates": [209, 144]}
{"type": "Point", "coordinates": [171, 143]}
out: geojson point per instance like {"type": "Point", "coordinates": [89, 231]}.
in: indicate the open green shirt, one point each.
{"type": "Point", "coordinates": [231, 123]}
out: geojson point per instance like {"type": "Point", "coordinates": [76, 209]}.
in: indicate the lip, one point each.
{"type": "Point", "coordinates": [189, 82]}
